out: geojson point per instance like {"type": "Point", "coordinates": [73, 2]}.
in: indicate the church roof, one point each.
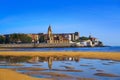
{"type": "Point", "coordinates": [49, 28]}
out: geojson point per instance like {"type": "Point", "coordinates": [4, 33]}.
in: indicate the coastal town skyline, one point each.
{"type": "Point", "coordinates": [98, 18]}
{"type": "Point", "coordinates": [49, 39]}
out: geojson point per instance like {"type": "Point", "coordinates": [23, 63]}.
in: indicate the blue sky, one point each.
{"type": "Point", "coordinates": [100, 18]}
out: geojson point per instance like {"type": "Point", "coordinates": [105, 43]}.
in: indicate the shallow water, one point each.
{"type": "Point", "coordinates": [93, 49]}
{"type": "Point", "coordinates": [85, 68]}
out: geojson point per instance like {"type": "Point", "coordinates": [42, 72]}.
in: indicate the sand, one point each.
{"type": "Point", "coordinates": [106, 74]}
{"type": "Point", "coordinates": [6, 74]}
{"type": "Point", "coordinates": [90, 55]}
{"type": "Point", "coordinates": [57, 76]}
{"type": "Point", "coordinates": [5, 49]}
{"type": "Point", "coordinates": [30, 69]}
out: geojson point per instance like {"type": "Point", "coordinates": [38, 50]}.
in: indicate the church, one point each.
{"type": "Point", "coordinates": [56, 38]}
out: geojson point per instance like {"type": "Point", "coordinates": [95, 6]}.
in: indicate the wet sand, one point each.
{"type": "Point", "coordinates": [11, 64]}
{"type": "Point", "coordinates": [26, 76]}
{"type": "Point", "coordinates": [90, 55]}
{"type": "Point", "coordinates": [5, 49]}
{"type": "Point", "coordinates": [57, 76]}
{"type": "Point", "coordinates": [17, 76]}
{"type": "Point", "coordinates": [106, 75]}
{"type": "Point", "coordinates": [7, 74]}
{"type": "Point", "coordinates": [30, 69]}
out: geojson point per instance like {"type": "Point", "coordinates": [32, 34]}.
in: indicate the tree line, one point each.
{"type": "Point", "coordinates": [15, 38]}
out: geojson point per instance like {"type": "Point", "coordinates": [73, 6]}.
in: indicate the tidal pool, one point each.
{"type": "Point", "coordinates": [63, 68]}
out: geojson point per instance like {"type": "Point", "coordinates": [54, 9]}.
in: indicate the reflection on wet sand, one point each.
{"type": "Point", "coordinates": [50, 60]}
{"type": "Point", "coordinates": [70, 68]}
{"type": "Point", "coordinates": [14, 59]}
{"type": "Point", "coordinates": [106, 74]}
{"type": "Point", "coordinates": [9, 60]}
{"type": "Point", "coordinates": [57, 76]}
{"type": "Point", "coordinates": [30, 69]}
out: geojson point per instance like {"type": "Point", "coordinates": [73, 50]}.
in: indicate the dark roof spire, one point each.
{"type": "Point", "coordinates": [49, 28]}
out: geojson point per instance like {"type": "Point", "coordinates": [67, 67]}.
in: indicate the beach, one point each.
{"type": "Point", "coordinates": [7, 74]}
{"type": "Point", "coordinates": [90, 55]}
{"type": "Point", "coordinates": [13, 75]}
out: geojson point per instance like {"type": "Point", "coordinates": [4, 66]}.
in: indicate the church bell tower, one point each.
{"type": "Point", "coordinates": [50, 35]}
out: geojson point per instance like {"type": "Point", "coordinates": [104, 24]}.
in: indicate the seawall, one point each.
{"type": "Point", "coordinates": [43, 45]}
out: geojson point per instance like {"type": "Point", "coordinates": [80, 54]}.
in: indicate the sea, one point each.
{"type": "Point", "coordinates": [76, 49]}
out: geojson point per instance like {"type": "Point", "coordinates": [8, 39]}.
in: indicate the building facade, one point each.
{"type": "Point", "coordinates": [55, 38]}
{"type": "Point", "coordinates": [50, 37]}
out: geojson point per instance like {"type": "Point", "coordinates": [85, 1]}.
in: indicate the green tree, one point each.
{"type": "Point", "coordinates": [14, 38]}
{"type": "Point", "coordinates": [42, 39]}
{"type": "Point", "coordinates": [100, 43]}
{"type": "Point", "coordinates": [2, 40]}
{"type": "Point", "coordinates": [20, 38]}
{"type": "Point", "coordinates": [83, 38]}
{"type": "Point", "coordinates": [7, 40]}
{"type": "Point", "coordinates": [25, 39]}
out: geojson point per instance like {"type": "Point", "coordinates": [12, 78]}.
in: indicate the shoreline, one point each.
{"type": "Point", "coordinates": [43, 45]}
{"type": "Point", "coordinates": [7, 74]}
{"type": "Point", "coordinates": [13, 75]}
{"type": "Point", "coordinates": [89, 55]}
{"type": "Point", "coordinates": [54, 47]}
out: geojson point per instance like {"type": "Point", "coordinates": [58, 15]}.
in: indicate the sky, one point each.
{"type": "Point", "coordinates": [99, 18]}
